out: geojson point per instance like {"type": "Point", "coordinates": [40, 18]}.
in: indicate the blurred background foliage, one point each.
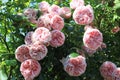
{"type": "Point", "coordinates": [13, 28]}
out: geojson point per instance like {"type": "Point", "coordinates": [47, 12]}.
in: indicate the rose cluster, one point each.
{"type": "Point", "coordinates": [84, 15]}
{"type": "Point", "coordinates": [110, 71]}
{"type": "Point", "coordinates": [48, 32]}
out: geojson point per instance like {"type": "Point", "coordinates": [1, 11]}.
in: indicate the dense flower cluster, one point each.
{"type": "Point", "coordinates": [48, 32]}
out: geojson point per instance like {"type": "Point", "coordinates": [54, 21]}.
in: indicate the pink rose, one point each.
{"type": "Point", "coordinates": [74, 66]}
{"type": "Point", "coordinates": [65, 12]}
{"type": "Point", "coordinates": [28, 38]}
{"type": "Point", "coordinates": [40, 21]}
{"type": "Point", "coordinates": [57, 22]}
{"type": "Point", "coordinates": [43, 6]}
{"type": "Point", "coordinates": [58, 38]}
{"type": "Point", "coordinates": [107, 69]}
{"type": "Point", "coordinates": [116, 74]}
{"type": "Point", "coordinates": [54, 9]}
{"type": "Point", "coordinates": [41, 36]}
{"type": "Point", "coordinates": [38, 52]}
{"type": "Point", "coordinates": [76, 3]}
{"type": "Point", "coordinates": [22, 53]}
{"type": "Point", "coordinates": [45, 21]}
{"type": "Point", "coordinates": [30, 69]}
{"type": "Point", "coordinates": [92, 38]}
{"type": "Point", "coordinates": [83, 15]}
{"type": "Point", "coordinates": [30, 13]}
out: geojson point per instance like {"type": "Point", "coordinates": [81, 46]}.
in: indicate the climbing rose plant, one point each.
{"type": "Point", "coordinates": [60, 39]}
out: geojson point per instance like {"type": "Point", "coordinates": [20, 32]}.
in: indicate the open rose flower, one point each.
{"type": "Point", "coordinates": [38, 52]}
{"type": "Point", "coordinates": [41, 36]}
{"type": "Point", "coordinates": [58, 38]}
{"type": "Point", "coordinates": [74, 66]}
{"type": "Point", "coordinates": [107, 69]}
{"type": "Point", "coordinates": [57, 22]}
{"type": "Point", "coordinates": [92, 38]}
{"type": "Point", "coordinates": [83, 15]}
{"type": "Point", "coordinates": [45, 20]}
{"type": "Point", "coordinates": [22, 53]}
{"type": "Point", "coordinates": [76, 3]}
{"type": "Point", "coordinates": [30, 13]}
{"type": "Point", "coordinates": [28, 38]}
{"type": "Point", "coordinates": [54, 9]}
{"type": "Point", "coordinates": [44, 6]}
{"type": "Point", "coordinates": [66, 12]}
{"type": "Point", "coordinates": [30, 69]}
{"type": "Point", "coordinates": [116, 74]}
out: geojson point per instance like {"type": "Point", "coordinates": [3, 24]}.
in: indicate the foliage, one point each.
{"type": "Point", "coordinates": [13, 28]}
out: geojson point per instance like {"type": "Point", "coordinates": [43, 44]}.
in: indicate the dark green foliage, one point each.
{"type": "Point", "coordinates": [13, 28]}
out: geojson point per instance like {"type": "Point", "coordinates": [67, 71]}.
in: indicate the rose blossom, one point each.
{"type": "Point", "coordinates": [116, 74]}
{"type": "Point", "coordinates": [92, 38]}
{"type": "Point", "coordinates": [30, 69]}
{"type": "Point", "coordinates": [28, 38]}
{"type": "Point", "coordinates": [74, 66]}
{"type": "Point", "coordinates": [76, 3]}
{"type": "Point", "coordinates": [44, 6]}
{"type": "Point", "coordinates": [38, 52]}
{"type": "Point", "coordinates": [58, 38]}
{"type": "Point", "coordinates": [22, 53]}
{"type": "Point", "coordinates": [41, 36]}
{"type": "Point", "coordinates": [57, 22]}
{"type": "Point", "coordinates": [66, 12]}
{"type": "Point", "coordinates": [40, 21]}
{"type": "Point", "coordinates": [83, 15]}
{"type": "Point", "coordinates": [107, 69]}
{"type": "Point", "coordinates": [54, 9]}
{"type": "Point", "coordinates": [30, 13]}
{"type": "Point", "coordinates": [45, 21]}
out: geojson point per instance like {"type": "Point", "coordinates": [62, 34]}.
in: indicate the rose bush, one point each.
{"type": "Point", "coordinates": [18, 18]}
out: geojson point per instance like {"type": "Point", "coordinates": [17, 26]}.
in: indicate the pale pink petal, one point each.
{"type": "Point", "coordinates": [76, 3]}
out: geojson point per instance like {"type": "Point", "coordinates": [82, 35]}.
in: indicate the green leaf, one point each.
{"type": "Point", "coordinates": [73, 55]}
{"type": "Point", "coordinates": [11, 62]}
